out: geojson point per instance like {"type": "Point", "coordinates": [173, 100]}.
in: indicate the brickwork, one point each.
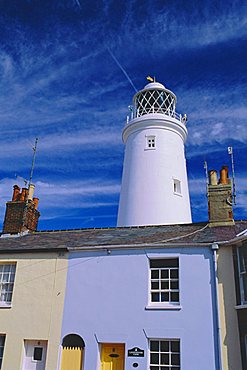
{"type": "Point", "coordinates": [20, 216]}
{"type": "Point", "coordinates": [219, 205]}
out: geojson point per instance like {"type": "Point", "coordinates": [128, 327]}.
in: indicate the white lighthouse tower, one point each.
{"type": "Point", "coordinates": [154, 182]}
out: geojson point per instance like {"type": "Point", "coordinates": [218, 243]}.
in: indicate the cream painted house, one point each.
{"type": "Point", "coordinates": [31, 304]}
{"type": "Point", "coordinates": [229, 331]}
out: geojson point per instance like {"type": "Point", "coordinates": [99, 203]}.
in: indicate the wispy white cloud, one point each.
{"type": "Point", "coordinates": [62, 85]}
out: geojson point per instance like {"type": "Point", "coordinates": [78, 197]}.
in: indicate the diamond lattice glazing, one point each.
{"type": "Point", "coordinates": [154, 101]}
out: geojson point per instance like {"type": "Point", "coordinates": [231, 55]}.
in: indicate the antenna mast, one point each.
{"type": "Point", "coordinates": [206, 173]}
{"type": "Point", "coordinates": [230, 152]}
{"type": "Point", "coordinates": [33, 161]}
{"type": "Point", "coordinates": [206, 170]}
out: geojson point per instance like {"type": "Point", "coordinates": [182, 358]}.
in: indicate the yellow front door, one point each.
{"type": "Point", "coordinates": [72, 358]}
{"type": "Point", "coordinates": [112, 356]}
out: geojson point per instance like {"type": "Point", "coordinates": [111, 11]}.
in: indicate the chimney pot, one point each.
{"type": "Point", "coordinates": [36, 202]}
{"type": "Point", "coordinates": [31, 191]}
{"type": "Point", "coordinates": [16, 192]}
{"type": "Point", "coordinates": [213, 180]}
{"type": "Point", "coordinates": [24, 193]}
{"type": "Point", "coordinates": [224, 175]}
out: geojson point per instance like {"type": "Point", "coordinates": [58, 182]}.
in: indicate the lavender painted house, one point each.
{"type": "Point", "coordinates": [144, 298]}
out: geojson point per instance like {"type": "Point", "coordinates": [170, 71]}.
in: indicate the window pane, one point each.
{"type": "Point", "coordinates": [164, 359]}
{"type": "Point", "coordinates": [174, 284]}
{"type": "Point", "coordinates": [175, 346]}
{"type": "Point", "coordinates": [164, 297]}
{"type": "Point", "coordinates": [174, 273]}
{"type": "Point", "coordinates": [154, 345]}
{"type": "Point", "coordinates": [165, 285]}
{"type": "Point", "coordinates": [155, 285]}
{"type": "Point", "coordinates": [5, 278]}
{"type": "Point", "coordinates": [175, 359]}
{"type": "Point", "coordinates": [12, 277]}
{"type": "Point", "coordinates": [174, 297]}
{"type": "Point", "coordinates": [2, 340]}
{"type": "Point", "coordinates": [154, 358]}
{"type": "Point", "coordinates": [166, 262]}
{"type": "Point", "coordinates": [164, 346]}
{"type": "Point", "coordinates": [6, 268]}
{"type": "Point", "coordinates": [155, 274]}
{"type": "Point", "coordinates": [37, 353]}
{"type": "Point", "coordinates": [244, 280]}
{"type": "Point", "coordinates": [155, 297]}
{"type": "Point", "coordinates": [164, 274]}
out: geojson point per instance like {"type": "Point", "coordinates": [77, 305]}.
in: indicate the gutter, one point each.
{"type": "Point", "coordinates": [137, 246]}
{"type": "Point", "coordinates": [215, 247]}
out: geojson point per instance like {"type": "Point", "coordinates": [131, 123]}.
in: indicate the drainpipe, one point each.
{"type": "Point", "coordinates": [215, 247]}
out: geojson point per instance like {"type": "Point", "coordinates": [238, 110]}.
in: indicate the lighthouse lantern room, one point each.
{"type": "Point", "coordinates": [154, 182]}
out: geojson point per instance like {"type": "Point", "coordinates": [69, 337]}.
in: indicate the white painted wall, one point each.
{"type": "Point", "coordinates": [147, 196]}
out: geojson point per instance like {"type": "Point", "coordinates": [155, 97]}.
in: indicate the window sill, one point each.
{"type": "Point", "coordinates": [150, 149]}
{"type": "Point", "coordinates": [178, 194]}
{"type": "Point", "coordinates": [5, 305]}
{"type": "Point", "coordinates": [241, 306]}
{"type": "Point", "coordinates": [163, 307]}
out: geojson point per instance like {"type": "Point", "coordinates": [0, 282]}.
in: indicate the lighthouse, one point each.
{"type": "Point", "coordinates": [154, 187]}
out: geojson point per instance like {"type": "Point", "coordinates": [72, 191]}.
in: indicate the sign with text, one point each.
{"type": "Point", "coordinates": [135, 352]}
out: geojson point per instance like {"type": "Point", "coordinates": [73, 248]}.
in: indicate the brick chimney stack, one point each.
{"type": "Point", "coordinates": [21, 212]}
{"type": "Point", "coordinates": [220, 199]}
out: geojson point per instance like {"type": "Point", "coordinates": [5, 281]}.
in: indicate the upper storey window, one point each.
{"type": "Point", "coordinates": [154, 101]}
{"type": "Point", "coordinates": [242, 263]}
{"type": "Point", "coordinates": [164, 281]}
{"type": "Point", "coordinates": [151, 142]}
{"type": "Point", "coordinates": [177, 186]}
{"type": "Point", "coordinates": [7, 277]}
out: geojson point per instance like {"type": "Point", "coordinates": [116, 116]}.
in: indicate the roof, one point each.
{"type": "Point", "coordinates": [196, 234]}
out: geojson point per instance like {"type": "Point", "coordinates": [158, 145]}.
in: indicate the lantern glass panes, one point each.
{"type": "Point", "coordinates": [154, 101]}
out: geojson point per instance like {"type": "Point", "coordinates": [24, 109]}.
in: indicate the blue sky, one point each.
{"type": "Point", "coordinates": [59, 82]}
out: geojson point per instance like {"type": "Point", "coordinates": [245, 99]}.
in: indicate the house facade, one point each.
{"type": "Point", "coordinates": [158, 302]}
{"type": "Point", "coordinates": [31, 304]}
{"type": "Point", "coordinates": [121, 298]}
{"type": "Point", "coordinates": [240, 266]}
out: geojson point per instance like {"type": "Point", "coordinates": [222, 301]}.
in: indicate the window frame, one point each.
{"type": "Point", "coordinates": [168, 365]}
{"type": "Point", "coordinates": [2, 346]}
{"type": "Point", "coordinates": [242, 275]}
{"type": "Point", "coordinates": [151, 142]}
{"type": "Point", "coordinates": [164, 303]}
{"type": "Point", "coordinates": [42, 353]}
{"type": "Point", "coordinates": [177, 188]}
{"type": "Point", "coordinates": [9, 282]}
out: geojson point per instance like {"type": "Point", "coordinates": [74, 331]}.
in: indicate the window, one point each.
{"type": "Point", "coordinates": [37, 353]}
{"type": "Point", "coordinates": [2, 342]}
{"type": "Point", "coordinates": [154, 101]}
{"type": "Point", "coordinates": [165, 354]}
{"type": "Point", "coordinates": [164, 281]}
{"type": "Point", "coordinates": [242, 267]}
{"type": "Point", "coordinates": [7, 277]}
{"type": "Point", "coordinates": [150, 142]}
{"type": "Point", "coordinates": [245, 342]}
{"type": "Point", "coordinates": [176, 186]}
